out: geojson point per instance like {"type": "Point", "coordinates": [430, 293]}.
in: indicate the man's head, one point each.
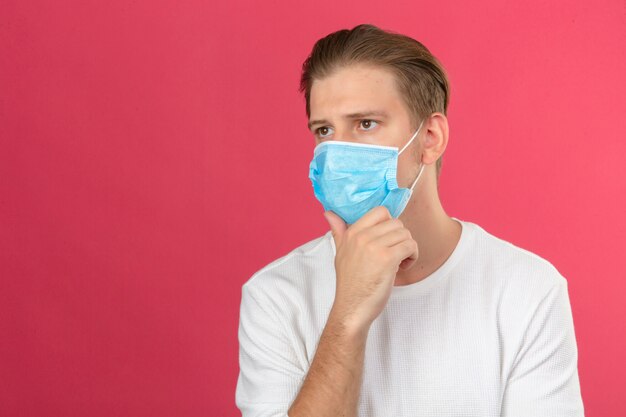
{"type": "Point", "coordinates": [350, 72]}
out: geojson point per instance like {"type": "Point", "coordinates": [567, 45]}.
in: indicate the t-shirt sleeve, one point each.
{"type": "Point", "coordinates": [544, 377]}
{"type": "Point", "coordinates": [269, 372]}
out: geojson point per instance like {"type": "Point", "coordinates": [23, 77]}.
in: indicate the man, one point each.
{"type": "Point", "coordinates": [400, 309]}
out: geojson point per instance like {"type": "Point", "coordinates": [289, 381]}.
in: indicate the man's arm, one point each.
{"type": "Point", "coordinates": [544, 379]}
{"type": "Point", "coordinates": [333, 383]}
{"type": "Point", "coordinates": [271, 375]}
{"type": "Point", "coordinates": [270, 369]}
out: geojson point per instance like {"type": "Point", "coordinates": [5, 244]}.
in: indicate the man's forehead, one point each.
{"type": "Point", "coordinates": [354, 90]}
{"type": "Point", "coordinates": [353, 83]}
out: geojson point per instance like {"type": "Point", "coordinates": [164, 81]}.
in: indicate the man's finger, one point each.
{"type": "Point", "coordinates": [374, 216]}
{"type": "Point", "coordinates": [337, 226]}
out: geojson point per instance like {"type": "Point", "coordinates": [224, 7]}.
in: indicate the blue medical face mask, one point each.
{"type": "Point", "coordinates": [352, 178]}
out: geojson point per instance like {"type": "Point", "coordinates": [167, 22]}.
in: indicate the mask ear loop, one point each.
{"type": "Point", "coordinates": [422, 164]}
{"type": "Point", "coordinates": [412, 137]}
{"type": "Point", "coordinates": [418, 176]}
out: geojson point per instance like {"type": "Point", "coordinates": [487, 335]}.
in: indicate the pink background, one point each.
{"type": "Point", "coordinates": [154, 154]}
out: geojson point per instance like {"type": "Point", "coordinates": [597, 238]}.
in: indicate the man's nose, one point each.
{"type": "Point", "coordinates": [345, 136]}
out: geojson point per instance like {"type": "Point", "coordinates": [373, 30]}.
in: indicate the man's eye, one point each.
{"type": "Point", "coordinates": [368, 124]}
{"type": "Point", "coordinates": [323, 131]}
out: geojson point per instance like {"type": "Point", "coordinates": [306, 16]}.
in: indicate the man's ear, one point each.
{"type": "Point", "coordinates": [436, 139]}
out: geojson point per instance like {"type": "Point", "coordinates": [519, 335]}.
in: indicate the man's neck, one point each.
{"type": "Point", "coordinates": [436, 233]}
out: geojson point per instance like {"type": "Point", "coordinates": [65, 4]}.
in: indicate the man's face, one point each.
{"type": "Point", "coordinates": [362, 104]}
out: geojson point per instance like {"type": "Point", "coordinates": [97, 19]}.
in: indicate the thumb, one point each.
{"type": "Point", "coordinates": [337, 226]}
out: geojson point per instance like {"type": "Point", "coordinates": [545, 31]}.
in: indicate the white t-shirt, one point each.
{"type": "Point", "coordinates": [489, 333]}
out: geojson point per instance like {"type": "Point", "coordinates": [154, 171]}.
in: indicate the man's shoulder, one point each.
{"type": "Point", "coordinates": [515, 265]}
{"type": "Point", "coordinates": [294, 268]}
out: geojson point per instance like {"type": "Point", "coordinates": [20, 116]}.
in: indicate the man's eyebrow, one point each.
{"type": "Point", "coordinates": [357, 115]}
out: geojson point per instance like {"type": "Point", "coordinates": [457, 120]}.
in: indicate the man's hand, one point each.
{"type": "Point", "coordinates": [369, 253]}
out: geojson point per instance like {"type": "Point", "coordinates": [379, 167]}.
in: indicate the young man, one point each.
{"type": "Point", "coordinates": [400, 309]}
